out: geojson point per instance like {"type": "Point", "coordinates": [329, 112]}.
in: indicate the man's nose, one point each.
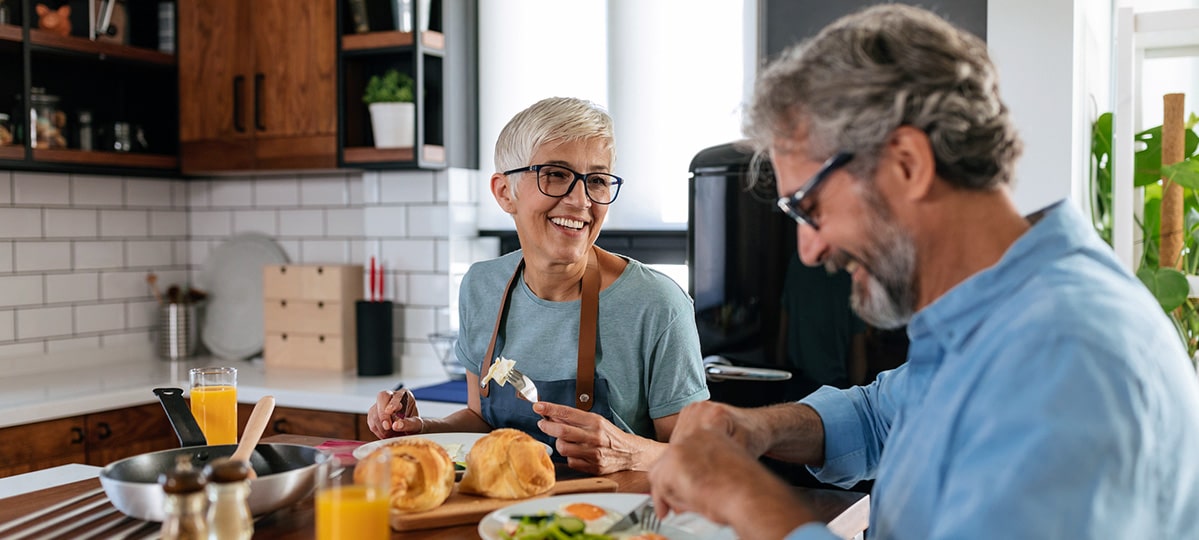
{"type": "Point", "coordinates": [812, 248]}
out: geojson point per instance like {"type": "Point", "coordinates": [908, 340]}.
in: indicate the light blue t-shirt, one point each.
{"type": "Point", "coordinates": [647, 344]}
{"type": "Point", "coordinates": [1045, 397]}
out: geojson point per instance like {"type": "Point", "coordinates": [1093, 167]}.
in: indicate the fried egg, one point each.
{"type": "Point", "coordinates": [596, 519]}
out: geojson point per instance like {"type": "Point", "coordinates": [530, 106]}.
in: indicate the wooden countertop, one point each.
{"type": "Point", "coordinates": [101, 518]}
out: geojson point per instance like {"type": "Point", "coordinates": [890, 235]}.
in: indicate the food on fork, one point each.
{"type": "Point", "coordinates": [422, 474]}
{"type": "Point", "coordinates": [499, 371]}
{"type": "Point", "coordinates": [507, 464]}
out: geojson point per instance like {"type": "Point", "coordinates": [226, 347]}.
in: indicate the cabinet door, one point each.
{"type": "Point", "coordinates": [216, 80]}
{"type": "Point", "coordinates": [295, 113]}
{"type": "Point", "coordinates": [42, 445]}
{"type": "Point", "coordinates": [292, 421]}
{"type": "Point", "coordinates": [121, 433]}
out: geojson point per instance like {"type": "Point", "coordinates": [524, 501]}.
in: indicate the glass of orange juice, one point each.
{"type": "Point", "coordinates": [214, 403]}
{"type": "Point", "coordinates": [354, 503]}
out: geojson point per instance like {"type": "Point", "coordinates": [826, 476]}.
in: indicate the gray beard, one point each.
{"type": "Point", "coordinates": [888, 299]}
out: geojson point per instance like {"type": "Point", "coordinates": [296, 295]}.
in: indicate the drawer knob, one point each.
{"type": "Point", "coordinates": [282, 269]}
{"type": "Point", "coordinates": [283, 303]}
{"type": "Point", "coordinates": [320, 269]}
{"type": "Point", "coordinates": [320, 304]}
{"type": "Point", "coordinates": [284, 336]}
{"type": "Point", "coordinates": [321, 338]}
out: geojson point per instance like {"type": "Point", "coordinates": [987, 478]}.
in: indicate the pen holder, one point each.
{"type": "Point", "coordinates": [374, 337]}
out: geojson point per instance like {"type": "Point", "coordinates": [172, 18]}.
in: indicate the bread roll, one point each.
{"type": "Point", "coordinates": [507, 464]}
{"type": "Point", "coordinates": [422, 474]}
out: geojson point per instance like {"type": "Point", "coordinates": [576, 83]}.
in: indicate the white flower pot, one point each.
{"type": "Point", "coordinates": [394, 124]}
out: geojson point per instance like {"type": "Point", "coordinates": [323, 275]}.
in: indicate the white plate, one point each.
{"type": "Point", "coordinates": [464, 442]}
{"type": "Point", "coordinates": [232, 275]}
{"type": "Point", "coordinates": [676, 527]}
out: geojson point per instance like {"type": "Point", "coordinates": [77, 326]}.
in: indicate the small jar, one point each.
{"type": "Point", "coordinates": [185, 504]}
{"type": "Point", "coordinates": [46, 120]}
{"type": "Point", "coordinates": [86, 136]}
{"type": "Point", "coordinates": [228, 500]}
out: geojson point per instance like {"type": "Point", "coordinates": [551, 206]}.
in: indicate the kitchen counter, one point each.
{"type": "Point", "coordinates": [104, 380]}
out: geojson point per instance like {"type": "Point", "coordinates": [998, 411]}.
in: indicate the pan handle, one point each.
{"type": "Point", "coordinates": [181, 417]}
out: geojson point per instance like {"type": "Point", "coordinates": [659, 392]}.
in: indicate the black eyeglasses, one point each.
{"type": "Point", "coordinates": [558, 181]}
{"type": "Point", "coordinates": [793, 204]}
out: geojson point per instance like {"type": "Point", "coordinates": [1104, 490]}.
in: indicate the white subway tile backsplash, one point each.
{"type": "Point", "coordinates": [182, 251]}
{"type": "Point", "coordinates": [20, 290]}
{"type": "Point", "coordinates": [124, 223]}
{"type": "Point", "coordinates": [44, 322]}
{"type": "Point", "coordinates": [324, 191]}
{"type": "Point", "coordinates": [179, 193]}
{"type": "Point", "coordinates": [126, 285]}
{"type": "Point", "coordinates": [99, 255]}
{"type": "Point", "coordinates": [41, 188]}
{"type": "Point", "coordinates": [291, 248]}
{"type": "Point", "coordinates": [197, 194]}
{"type": "Point", "coordinates": [354, 191]}
{"type": "Point", "coordinates": [22, 349]}
{"type": "Point", "coordinates": [344, 222]}
{"type": "Point", "coordinates": [301, 223]}
{"type": "Point", "coordinates": [357, 255]}
{"type": "Point", "coordinates": [5, 257]}
{"type": "Point", "coordinates": [70, 223]}
{"type": "Point", "coordinates": [89, 190]}
{"type": "Point", "coordinates": [324, 251]}
{"type": "Point", "coordinates": [21, 222]}
{"type": "Point", "coordinates": [463, 185]}
{"type": "Point", "coordinates": [99, 318]}
{"type": "Point", "coordinates": [8, 325]}
{"type": "Point", "coordinates": [396, 288]}
{"type": "Point", "coordinates": [418, 322]}
{"type": "Point", "coordinates": [148, 253]}
{"type": "Point", "coordinates": [154, 193]}
{"type": "Point", "coordinates": [406, 187]}
{"type": "Point", "coordinates": [226, 193]}
{"type": "Point", "coordinates": [442, 256]}
{"type": "Point", "coordinates": [168, 223]}
{"type": "Point", "coordinates": [270, 192]}
{"type": "Point", "coordinates": [385, 221]}
{"type": "Point", "coordinates": [409, 255]}
{"type": "Point", "coordinates": [141, 314]}
{"type": "Point", "coordinates": [125, 339]}
{"type": "Point", "coordinates": [430, 290]}
{"type": "Point", "coordinates": [428, 221]}
{"type": "Point", "coordinates": [259, 221]}
{"type": "Point", "coordinates": [210, 223]}
{"type": "Point", "coordinates": [198, 252]}
{"type": "Point", "coordinates": [41, 256]}
{"type": "Point", "coordinates": [5, 187]}
{"type": "Point", "coordinates": [370, 187]}
{"type": "Point", "coordinates": [73, 344]}
{"type": "Point", "coordinates": [81, 287]}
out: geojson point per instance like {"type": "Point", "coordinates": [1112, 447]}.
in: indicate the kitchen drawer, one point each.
{"type": "Point", "coordinates": [307, 317]}
{"type": "Point", "coordinates": [310, 351]}
{"type": "Point", "coordinates": [339, 283]}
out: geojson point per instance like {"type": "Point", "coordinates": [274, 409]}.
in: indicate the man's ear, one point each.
{"type": "Point", "coordinates": [501, 189]}
{"type": "Point", "coordinates": [911, 162]}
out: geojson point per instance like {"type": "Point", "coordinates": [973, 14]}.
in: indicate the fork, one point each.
{"type": "Point", "coordinates": [649, 519]}
{"type": "Point", "coordinates": [525, 389]}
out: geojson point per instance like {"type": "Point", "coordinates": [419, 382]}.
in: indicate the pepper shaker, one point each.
{"type": "Point", "coordinates": [184, 503]}
{"type": "Point", "coordinates": [228, 500]}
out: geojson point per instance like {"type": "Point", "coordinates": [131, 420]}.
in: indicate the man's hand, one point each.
{"type": "Point", "coordinates": [592, 444]}
{"type": "Point", "coordinates": [393, 414]}
{"type": "Point", "coordinates": [741, 426]}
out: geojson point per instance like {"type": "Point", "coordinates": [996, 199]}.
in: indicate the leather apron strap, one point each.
{"type": "Point", "coordinates": [588, 321]}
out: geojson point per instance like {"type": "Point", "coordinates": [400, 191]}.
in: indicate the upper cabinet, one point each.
{"type": "Point", "coordinates": [84, 91]}
{"type": "Point", "coordinates": [257, 92]}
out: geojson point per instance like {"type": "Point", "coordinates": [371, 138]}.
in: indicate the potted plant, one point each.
{"type": "Point", "coordinates": [1170, 285]}
{"type": "Point", "coordinates": [393, 113]}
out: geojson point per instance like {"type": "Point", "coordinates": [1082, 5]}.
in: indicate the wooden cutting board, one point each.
{"type": "Point", "coordinates": [461, 509]}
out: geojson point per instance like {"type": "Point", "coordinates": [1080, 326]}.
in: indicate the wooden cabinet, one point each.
{"type": "Point", "coordinates": [96, 439]}
{"type": "Point", "coordinates": [112, 100]}
{"type": "Point", "coordinates": [293, 421]}
{"type": "Point", "coordinates": [257, 85]}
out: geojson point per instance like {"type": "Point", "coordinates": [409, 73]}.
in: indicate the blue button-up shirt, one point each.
{"type": "Point", "coordinates": [1045, 397]}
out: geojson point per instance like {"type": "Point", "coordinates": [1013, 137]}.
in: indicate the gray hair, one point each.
{"type": "Point", "coordinates": [851, 86]}
{"type": "Point", "coordinates": [551, 120]}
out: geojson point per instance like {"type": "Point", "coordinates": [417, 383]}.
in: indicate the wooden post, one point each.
{"type": "Point", "coordinates": [1172, 204]}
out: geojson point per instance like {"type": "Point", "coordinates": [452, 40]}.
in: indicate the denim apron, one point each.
{"type": "Point", "coordinates": [499, 404]}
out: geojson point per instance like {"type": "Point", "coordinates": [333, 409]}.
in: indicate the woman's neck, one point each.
{"type": "Point", "coordinates": [556, 282]}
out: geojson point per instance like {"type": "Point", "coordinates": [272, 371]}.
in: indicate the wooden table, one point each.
{"type": "Point", "coordinates": [103, 520]}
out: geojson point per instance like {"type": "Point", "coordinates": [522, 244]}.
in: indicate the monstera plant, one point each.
{"type": "Point", "coordinates": [1168, 284]}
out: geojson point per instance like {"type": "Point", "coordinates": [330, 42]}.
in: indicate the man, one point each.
{"type": "Point", "coordinates": [1045, 395]}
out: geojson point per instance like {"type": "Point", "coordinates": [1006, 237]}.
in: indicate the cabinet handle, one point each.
{"type": "Point", "coordinates": [76, 435]}
{"type": "Point", "coordinates": [258, 80]}
{"type": "Point", "coordinates": [280, 426]}
{"type": "Point", "coordinates": [239, 83]}
{"type": "Point", "coordinates": [104, 429]}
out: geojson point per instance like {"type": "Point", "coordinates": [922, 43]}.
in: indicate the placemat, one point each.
{"type": "Point", "coordinates": [449, 392]}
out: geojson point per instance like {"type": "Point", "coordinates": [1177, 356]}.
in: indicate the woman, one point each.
{"type": "Point", "coordinates": [557, 182]}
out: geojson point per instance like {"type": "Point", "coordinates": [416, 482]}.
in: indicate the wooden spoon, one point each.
{"type": "Point", "coordinates": [254, 428]}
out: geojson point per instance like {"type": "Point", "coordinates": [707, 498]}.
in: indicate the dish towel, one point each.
{"type": "Point", "coordinates": [448, 392]}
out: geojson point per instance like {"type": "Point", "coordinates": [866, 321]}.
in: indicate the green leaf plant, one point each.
{"type": "Point", "coordinates": [1169, 285]}
{"type": "Point", "coordinates": [392, 87]}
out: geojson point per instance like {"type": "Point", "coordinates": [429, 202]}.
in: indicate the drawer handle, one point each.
{"type": "Point", "coordinates": [76, 435]}
{"type": "Point", "coordinates": [105, 430]}
{"type": "Point", "coordinates": [280, 426]}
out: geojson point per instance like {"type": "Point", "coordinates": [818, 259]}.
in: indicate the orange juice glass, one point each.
{"type": "Point", "coordinates": [349, 510]}
{"type": "Point", "coordinates": [214, 403]}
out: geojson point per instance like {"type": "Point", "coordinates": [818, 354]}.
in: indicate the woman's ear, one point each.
{"type": "Point", "coordinates": [502, 190]}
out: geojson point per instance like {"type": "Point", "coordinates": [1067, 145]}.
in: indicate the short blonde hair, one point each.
{"type": "Point", "coordinates": [556, 119]}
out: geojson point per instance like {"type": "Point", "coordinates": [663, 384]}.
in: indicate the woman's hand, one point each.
{"type": "Point", "coordinates": [393, 414]}
{"type": "Point", "coordinates": [592, 444]}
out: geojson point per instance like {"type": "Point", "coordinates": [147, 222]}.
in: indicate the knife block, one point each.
{"type": "Point", "coordinates": [374, 337]}
{"type": "Point", "coordinates": [308, 313]}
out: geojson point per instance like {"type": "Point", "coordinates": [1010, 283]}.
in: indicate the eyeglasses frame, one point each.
{"type": "Point", "coordinates": [577, 177]}
{"type": "Point", "coordinates": [790, 204]}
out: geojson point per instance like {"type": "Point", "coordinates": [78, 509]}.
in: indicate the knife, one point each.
{"type": "Point", "coordinates": [631, 519]}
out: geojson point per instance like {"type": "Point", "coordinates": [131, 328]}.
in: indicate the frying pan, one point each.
{"type": "Point", "coordinates": [286, 472]}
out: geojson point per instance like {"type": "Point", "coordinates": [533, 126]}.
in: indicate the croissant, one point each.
{"type": "Point", "coordinates": [422, 474]}
{"type": "Point", "coordinates": [507, 464]}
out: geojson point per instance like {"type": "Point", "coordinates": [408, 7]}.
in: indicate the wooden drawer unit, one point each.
{"type": "Point", "coordinates": [309, 316]}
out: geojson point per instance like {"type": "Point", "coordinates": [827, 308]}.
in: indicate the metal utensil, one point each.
{"type": "Point", "coordinates": [525, 389]}
{"type": "Point", "coordinates": [635, 518]}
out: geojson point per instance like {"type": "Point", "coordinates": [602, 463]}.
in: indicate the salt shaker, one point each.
{"type": "Point", "coordinates": [183, 488]}
{"type": "Point", "coordinates": [228, 500]}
